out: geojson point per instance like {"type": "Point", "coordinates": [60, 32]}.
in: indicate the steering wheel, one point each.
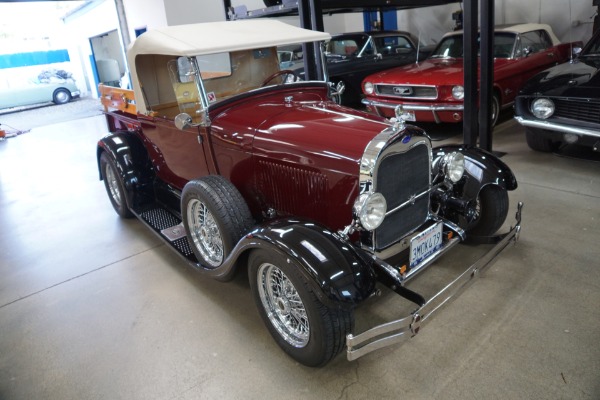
{"type": "Point", "coordinates": [279, 73]}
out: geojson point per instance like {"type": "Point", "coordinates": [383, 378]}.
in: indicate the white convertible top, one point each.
{"type": "Point", "coordinates": [206, 38]}
{"type": "Point", "coordinates": [520, 28]}
{"type": "Point", "coordinates": [217, 37]}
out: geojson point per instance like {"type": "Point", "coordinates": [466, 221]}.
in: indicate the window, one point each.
{"type": "Point", "coordinates": [535, 41]}
{"type": "Point", "coordinates": [393, 44]}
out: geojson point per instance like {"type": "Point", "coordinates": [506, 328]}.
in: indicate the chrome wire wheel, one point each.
{"type": "Point", "coordinates": [113, 184]}
{"type": "Point", "coordinates": [205, 232]}
{"type": "Point", "coordinates": [283, 305]}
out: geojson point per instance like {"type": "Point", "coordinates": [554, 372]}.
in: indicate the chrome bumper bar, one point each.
{"type": "Point", "coordinates": [558, 127]}
{"type": "Point", "coordinates": [415, 107]}
{"type": "Point", "coordinates": [402, 329]}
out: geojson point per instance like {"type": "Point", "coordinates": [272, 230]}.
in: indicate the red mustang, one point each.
{"type": "Point", "coordinates": [432, 91]}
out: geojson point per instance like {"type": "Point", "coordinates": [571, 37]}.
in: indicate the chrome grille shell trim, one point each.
{"type": "Point", "coordinates": [398, 140]}
{"type": "Point", "coordinates": [409, 91]}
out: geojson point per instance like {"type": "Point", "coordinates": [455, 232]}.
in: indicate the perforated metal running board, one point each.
{"type": "Point", "coordinates": [169, 228]}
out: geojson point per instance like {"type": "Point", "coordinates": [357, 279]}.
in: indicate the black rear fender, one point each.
{"type": "Point", "coordinates": [131, 159]}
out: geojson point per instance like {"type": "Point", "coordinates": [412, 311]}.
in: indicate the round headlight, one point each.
{"type": "Point", "coordinates": [454, 166]}
{"type": "Point", "coordinates": [370, 209]}
{"type": "Point", "coordinates": [368, 88]}
{"type": "Point", "coordinates": [458, 92]}
{"type": "Point", "coordinates": [542, 108]}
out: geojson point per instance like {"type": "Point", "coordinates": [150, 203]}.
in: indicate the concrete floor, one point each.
{"type": "Point", "coordinates": [95, 307]}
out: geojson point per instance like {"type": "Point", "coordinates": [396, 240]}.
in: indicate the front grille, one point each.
{"type": "Point", "coordinates": [580, 110]}
{"type": "Point", "coordinates": [407, 91]}
{"type": "Point", "coordinates": [401, 177]}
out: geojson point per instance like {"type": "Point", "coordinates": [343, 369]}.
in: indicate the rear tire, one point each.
{"type": "Point", "coordinates": [536, 141]}
{"type": "Point", "coordinates": [306, 329]}
{"type": "Point", "coordinates": [61, 96]}
{"type": "Point", "coordinates": [113, 183]}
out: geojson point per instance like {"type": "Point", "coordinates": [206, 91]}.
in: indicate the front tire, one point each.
{"type": "Point", "coordinates": [306, 329]}
{"type": "Point", "coordinates": [536, 141]}
{"type": "Point", "coordinates": [491, 211]}
{"type": "Point", "coordinates": [495, 110]}
{"type": "Point", "coordinates": [215, 217]}
{"type": "Point", "coordinates": [114, 186]}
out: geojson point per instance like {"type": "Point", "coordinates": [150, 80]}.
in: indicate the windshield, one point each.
{"type": "Point", "coordinates": [347, 45]}
{"type": "Point", "coordinates": [594, 47]}
{"type": "Point", "coordinates": [452, 46]}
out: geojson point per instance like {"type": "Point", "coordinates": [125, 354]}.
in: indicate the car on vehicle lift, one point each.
{"type": "Point", "coordinates": [561, 105]}
{"type": "Point", "coordinates": [351, 57]}
{"type": "Point", "coordinates": [433, 91]}
{"type": "Point", "coordinates": [237, 167]}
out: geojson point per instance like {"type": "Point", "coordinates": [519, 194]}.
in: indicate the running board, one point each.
{"type": "Point", "coordinates": [169, 228]}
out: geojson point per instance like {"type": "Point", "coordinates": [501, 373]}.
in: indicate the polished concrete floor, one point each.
{"type": "Point", "coordinates": [95, 307]}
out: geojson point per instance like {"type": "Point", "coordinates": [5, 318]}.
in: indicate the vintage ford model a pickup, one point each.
{"type": "Point", "coordinates": [238, 165]}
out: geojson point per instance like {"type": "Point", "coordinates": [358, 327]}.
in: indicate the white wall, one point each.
{"type": "Point", "coordinates": [432, 22]}
{"type": "Point", "coordinates": [147, 14]}
{"type": "Point", "coordinates": [96, 20]}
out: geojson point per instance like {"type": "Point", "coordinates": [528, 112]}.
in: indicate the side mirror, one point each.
{"type": "Point", "coordinates": [183, 121]}
{"type": "Point", "coordinates": [379, 56]}
{"type": "Point", "coordinates": [577, 51]}
{"type": "Point", "coordinates": [527, 51]}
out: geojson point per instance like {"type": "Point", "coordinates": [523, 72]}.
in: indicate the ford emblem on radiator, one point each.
{"type": "Point", "coordinates": [402, 90]}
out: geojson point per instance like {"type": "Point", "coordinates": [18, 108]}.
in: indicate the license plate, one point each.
{"type": "Point", "coordinates": [425, 244]}
{"type": "Point", "coordinates": [408, 116]}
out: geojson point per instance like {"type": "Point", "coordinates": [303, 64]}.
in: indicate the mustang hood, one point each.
{"type": "Point", "coordinates": [579, 78]}
{"type": "Point", "coordinates": [448, 71]}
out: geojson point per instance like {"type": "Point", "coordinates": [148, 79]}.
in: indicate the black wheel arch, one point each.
{"type": "Point", "coordinates": [341, 276]}
{"type": "Point", "coordinates": [132, 162]}
{"type": "Point", "coordinates": [484, 168]}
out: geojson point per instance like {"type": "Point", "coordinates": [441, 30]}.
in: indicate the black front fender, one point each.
{"type": "Point", "coordinates": [341, 275]}
{"type": "Point", "coordinates": [481, 168]}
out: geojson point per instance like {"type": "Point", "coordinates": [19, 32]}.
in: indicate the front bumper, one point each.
{"type": "Point", "coordinates": [563, 128]}
{"type": "Point", "coordinates": [404, 328]}
{"type": "Point", "coordinates": [434, 108]}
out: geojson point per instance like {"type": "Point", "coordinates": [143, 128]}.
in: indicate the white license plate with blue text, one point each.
{"type": "Point", "coordinates": [425, 244]}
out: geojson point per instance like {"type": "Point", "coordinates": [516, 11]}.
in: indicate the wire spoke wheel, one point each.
{"type": "Point", "coordinates": [205, 232]}
{"type": "Point", "coordinates": [283, 305]}
{"type": "Point", "coordinates": [112, 184]}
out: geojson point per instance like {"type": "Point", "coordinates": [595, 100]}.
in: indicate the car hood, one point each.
{"type": "Point", "coordinates": [307, 130]}
{"type": "Point", "coordinates": [580, 78]}
{"type": "Point", "coordinates": [321, 134]}
{"type": "Point", "coordinates": [447, 71]}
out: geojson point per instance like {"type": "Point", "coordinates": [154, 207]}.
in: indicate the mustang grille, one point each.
{"type": "Point", "coordinates": [400, 178]}
{"type": "Point", "coordinates": [581, 110]}
{"type": "Point", "coordinates": [412, 92]}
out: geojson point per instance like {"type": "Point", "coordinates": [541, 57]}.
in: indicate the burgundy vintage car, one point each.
{"type": "Point", "coordinates": [239, 167]}
{"type": "Point", "coordinates": [432, 90]}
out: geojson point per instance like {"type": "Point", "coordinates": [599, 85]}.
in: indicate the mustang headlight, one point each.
{"type": "Point", "coordinates": [370, 208]}
{"type": "Point", "coordinates": [542, 108]}
{"type": "Point", "coordinates": [458, 92]}
{"type": "Point", "coordinates": [454, 166]}
{"type": "Point", "coordinates": [368, 88]}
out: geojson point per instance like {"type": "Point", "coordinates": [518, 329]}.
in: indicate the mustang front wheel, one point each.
{"type": "Point", "coordinates": [306, 329]}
